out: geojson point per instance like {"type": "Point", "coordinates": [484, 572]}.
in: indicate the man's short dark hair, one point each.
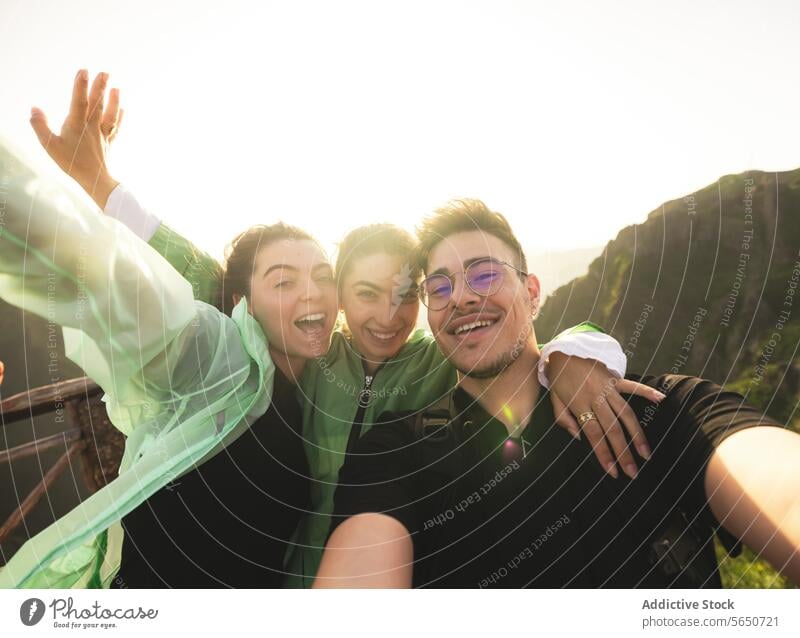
{"type": "Point", "coordinates": [464, 215]}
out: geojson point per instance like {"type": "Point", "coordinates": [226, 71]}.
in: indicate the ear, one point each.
{"type": "Point", "coordinates": [534, 291]}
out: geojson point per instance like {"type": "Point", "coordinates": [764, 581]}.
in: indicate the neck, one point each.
{"type": "Point", "coordinates": [292, 367]}
{"type": "Point", "coordinates": [510, 396]}
{"type": "Point", "coordinates": [371, 367]}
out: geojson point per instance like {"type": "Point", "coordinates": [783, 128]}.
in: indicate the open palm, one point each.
{"type": "Point", "coordinates": [90, 127]}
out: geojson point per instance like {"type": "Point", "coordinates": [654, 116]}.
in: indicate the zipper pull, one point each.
{"type": "Point", "coordinates": [366, 394]}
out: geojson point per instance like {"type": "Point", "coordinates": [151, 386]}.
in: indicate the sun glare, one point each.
{"type": "Point", "coordinates": [571, 121]}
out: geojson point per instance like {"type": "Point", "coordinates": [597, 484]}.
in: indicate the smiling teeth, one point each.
{"type": "Point", "coordinates": [383, 335]}
{"type": "Point", "coordinates": [315, 317]}
{"type": "Point", "coordinates": [471, 326]}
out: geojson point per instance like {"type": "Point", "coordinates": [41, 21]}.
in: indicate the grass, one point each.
{"type": "Point", "coordinates": [748, 571]}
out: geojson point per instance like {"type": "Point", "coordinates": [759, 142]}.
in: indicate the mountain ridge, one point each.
{"type": "Point", "coordinates": [702, 287]}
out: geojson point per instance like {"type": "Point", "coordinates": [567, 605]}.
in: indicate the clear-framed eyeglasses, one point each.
{"type": "Point", "coordinates": [484, 277]}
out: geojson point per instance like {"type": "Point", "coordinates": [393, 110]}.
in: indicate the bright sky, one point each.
{"type": "Point", "coordinates": [573, 118]}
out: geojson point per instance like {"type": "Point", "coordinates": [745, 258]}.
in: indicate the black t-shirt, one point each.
{"type": "Point", "coordinates": [484, 512]}
{"type": "Point", "coordinates": [227, 522]}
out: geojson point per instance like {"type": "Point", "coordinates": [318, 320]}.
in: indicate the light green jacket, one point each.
{"type": "Point", "coordinates": [181, 379]}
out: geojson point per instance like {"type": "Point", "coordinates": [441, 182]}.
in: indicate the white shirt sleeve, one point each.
{"type": "Point", "coordinates": [124, 207]}
{"type": "Point", "coordinates": [587, 345]}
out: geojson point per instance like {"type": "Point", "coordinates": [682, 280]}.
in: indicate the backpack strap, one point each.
{"type": "Point", "coordinates": [433, 422]}
{"type": "Point", "coordinates": [438, 439]}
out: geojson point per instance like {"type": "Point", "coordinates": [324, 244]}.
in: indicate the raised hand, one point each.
{"type": "Point", "coordinates": [90, 127]}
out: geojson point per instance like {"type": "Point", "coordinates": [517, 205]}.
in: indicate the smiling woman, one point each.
{"type": "Point", "coordinates": [288, 282]}
{"type": "Point", "coordinates": [377, 281]}
{"type": "Point", "coordinates": [225, 532]}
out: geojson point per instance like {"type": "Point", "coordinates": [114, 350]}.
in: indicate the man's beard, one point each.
{"type": "Point", "coordinates": [494, 369]}
{"type": "Point", "coordinates": [501, 362]}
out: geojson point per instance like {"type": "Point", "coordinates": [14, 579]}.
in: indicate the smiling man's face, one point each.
{"type": "Point", "coordinates": [481, 336]}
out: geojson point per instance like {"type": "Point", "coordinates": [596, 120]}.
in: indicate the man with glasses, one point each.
{"type": "Point", "coordinates": [484, 491]}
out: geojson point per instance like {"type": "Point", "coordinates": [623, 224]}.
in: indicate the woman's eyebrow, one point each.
{"type": "Point", "coordinates": [368, 284]}
{"type": "Point", "coordinates": [279, 267]}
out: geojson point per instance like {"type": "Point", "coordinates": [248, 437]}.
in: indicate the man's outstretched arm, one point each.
{"type": "Point", "coordinates": [752, 484]}
{"type": "Point", "coordinates": [367, 551]}
{"type": "Point", "coordinates": [375, 512]}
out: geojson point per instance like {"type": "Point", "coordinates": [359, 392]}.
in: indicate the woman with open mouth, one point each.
{"type": "Point", "coordinates": [214, 478]}
{"type": "Point", "coordinates": [345, 381]}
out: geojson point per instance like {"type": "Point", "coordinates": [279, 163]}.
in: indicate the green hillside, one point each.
{"type": "Point", "coordinates": [706, 286]}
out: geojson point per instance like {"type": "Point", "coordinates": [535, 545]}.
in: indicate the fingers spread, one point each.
{"type": "Point", "coordinates": [564, 417]}
{"type": "Point", "coordinates": [115, 130]}
{"type": "Point", "coordinates": [40, 127]}
{"type": "Point", "coordinates": [594, 434]}
{"type": "Point", "coordinates": [640, 389]}
{"type": "Point", "coordinates": [79, 104]}
{"type": "Point", "coordinates": [110, 118]}
{"type": "Point", "coordinates": [97, 97]}
{"type": "Point", "coordinates": [631, 422]}
{"type": "Point", "coordinates": [614, 435]}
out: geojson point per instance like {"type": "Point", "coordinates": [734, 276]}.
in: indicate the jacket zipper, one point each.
{"type": "Point", "coordinates": [363, 403]}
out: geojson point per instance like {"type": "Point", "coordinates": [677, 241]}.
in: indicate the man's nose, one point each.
{"type": "Point", "coordinates": [463, 296]}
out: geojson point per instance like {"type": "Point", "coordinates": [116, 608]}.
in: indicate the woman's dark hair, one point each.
{"type": "Point", "coordinates": [240, 258]}
{"type": "Point", "coordinates": [372, 239]}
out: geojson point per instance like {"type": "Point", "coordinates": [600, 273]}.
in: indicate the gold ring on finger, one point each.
{"type": "Point", "coordinates": [585, 417]}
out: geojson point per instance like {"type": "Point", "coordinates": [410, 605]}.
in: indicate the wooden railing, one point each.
{"type": "Point", "coordinates": [90, 435]}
